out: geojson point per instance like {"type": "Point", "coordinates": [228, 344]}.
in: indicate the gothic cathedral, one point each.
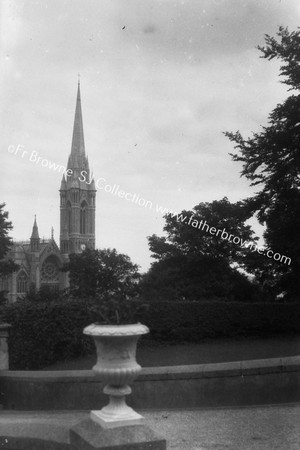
{"type": "Point", "coordinates": [40, 260]}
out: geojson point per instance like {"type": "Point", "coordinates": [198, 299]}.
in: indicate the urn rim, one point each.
{"type": "Point", "coordinates": [135, 329]}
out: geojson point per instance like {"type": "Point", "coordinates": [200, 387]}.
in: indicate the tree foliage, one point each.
{"type": "Point", "coordinates": [7, 266]}
{"type": "Point", "coordinates": [192, 262]}
{"type": "Point", "coordinates": [185, 237]}
{"type": "Point", "coordinates": [109, 280]}
{"type": "Point", "coordinates": [102, 272]}
{"type": "Point", "coordinates": [287, 50]}
{"type": "Point", "coordinates": [271, 161]}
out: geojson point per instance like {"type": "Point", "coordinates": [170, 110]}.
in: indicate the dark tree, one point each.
{"type": "Point", "coordinates": [7, 266]}
{"type": "Point", "coordinates": [44, 294]}
{"type": "Point", "coordinates": [193, 262]}
{"type": "Point", "coordinates": [102, 272]}
{"type": "Point", "coordinates": [271, 161]}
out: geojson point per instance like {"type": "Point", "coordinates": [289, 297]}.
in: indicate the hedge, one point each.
{"type": "Point", "coordinates": [44, 333]}
{"type": "Point", "coordinates": [195, 321]}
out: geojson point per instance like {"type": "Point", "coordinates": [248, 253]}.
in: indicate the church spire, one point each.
{"type": "Point", "coordinates": [35, 239]}
{"type": "Point", "coordinates": [35, 231]}
{"type": "Point", "coordinates": [77, 194]}
{"type": "Point", "coordinates": [78, 137]}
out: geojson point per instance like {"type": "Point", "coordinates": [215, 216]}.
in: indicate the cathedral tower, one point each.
{"type": "Point", "coordinates": [77, 194]}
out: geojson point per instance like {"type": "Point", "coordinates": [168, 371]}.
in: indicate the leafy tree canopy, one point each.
{"type": "Point", "coordinates": [188, 232]}
{"type": "Point", "coordinates": [271, 161]}
{"type": "Point", "coordinates": [102, 272]}
{"type": "Point", "coordinates": [6, 265]}
{"type": "Point", "coordinates": [191, 261]}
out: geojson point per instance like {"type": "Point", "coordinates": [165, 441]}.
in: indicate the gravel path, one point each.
{"type": "Point", "coordinates": [274, 427]}
{"type": "Point", "coordinates": [257, 428]}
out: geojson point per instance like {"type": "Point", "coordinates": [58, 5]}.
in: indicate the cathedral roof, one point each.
{"type": "Point", "coordinates": [21, 249]}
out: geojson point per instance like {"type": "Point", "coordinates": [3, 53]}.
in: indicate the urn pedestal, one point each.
{"type": "Point", "coordinates": [116, 365]}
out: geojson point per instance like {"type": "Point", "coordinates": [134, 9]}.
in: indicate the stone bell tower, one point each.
{"type": "Point", "coordinates": [77, 194]}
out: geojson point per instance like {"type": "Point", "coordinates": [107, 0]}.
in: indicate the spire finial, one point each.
{"type": "Point", "coordinates": [78, 79]}
{"type": "Point", "coordinates": [52, 233]}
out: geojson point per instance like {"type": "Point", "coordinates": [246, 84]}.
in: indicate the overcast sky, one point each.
{"type": "Point", "coordinates": [160, 81]}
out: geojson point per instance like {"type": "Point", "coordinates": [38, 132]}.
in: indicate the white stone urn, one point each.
{"type": "Point", "coordinates": [116, 365]}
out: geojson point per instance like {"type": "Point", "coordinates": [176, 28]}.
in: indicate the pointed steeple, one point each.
{"type": "Point", "coordinates": [35, 239]}
{"type": "Point", "coordinates": [63, 184]}
{"type": "Point", "coordinates": [35, 231]}
{"type": "Point", "coordinates": [78, 137]}
{"type": "Point", "coordinates": [77, 161]}
{"type": "Point", "coordinates": [77, 194]}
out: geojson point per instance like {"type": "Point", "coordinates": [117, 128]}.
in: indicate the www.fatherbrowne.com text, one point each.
{"type": "Point", "coordinates": [225, 235]}
{"type": "Point", "coordinates": [115, 190]}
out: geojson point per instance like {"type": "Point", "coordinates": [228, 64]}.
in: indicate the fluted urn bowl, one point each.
{"type": "Point", "coordinates": [117, 366]}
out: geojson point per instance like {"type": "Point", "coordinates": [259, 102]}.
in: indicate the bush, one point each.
{"type": "Point", "coordinates": [44, 333]}
{"type": "Point", "coordinates": [194, 321]}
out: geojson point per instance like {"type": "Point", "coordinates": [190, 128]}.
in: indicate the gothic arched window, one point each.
{"type": "Point", "coordinates": [4, 283]}
{"type": "Point", "coordinates": [22, 283]}
{"type": "Point", "coordinates": [62, 199]}
{"type": "Point", "coordinates": [83, 218]}
{"type": "Point", "coordinates": [69, 217]}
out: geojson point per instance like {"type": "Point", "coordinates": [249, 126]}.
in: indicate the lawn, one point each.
{"type": "Point", "coordinates": [210, 351]}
